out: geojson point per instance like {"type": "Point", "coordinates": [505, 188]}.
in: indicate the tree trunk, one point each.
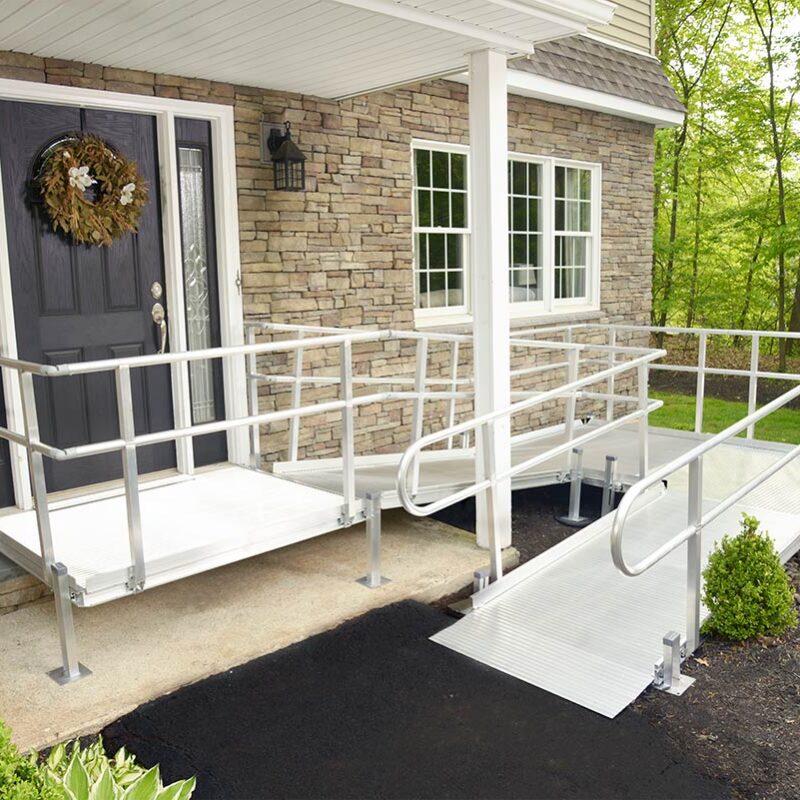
{"type": "Point", "coordinates": [698, 204]}
{"type": "Point", "coordinates": [778, 153]}
{"type": "Point", "coordinates": [669, 267]}
{"type": "Point", "coordinates": [794, 319]}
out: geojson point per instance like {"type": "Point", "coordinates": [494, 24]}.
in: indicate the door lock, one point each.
{"type": "Point", "coordinates": [156, 290]}
{"type": "Point", "coordinates": [160, 318]}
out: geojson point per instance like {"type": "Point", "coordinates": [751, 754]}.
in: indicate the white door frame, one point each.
{"type": "Point", "coordinates": [226, 220]}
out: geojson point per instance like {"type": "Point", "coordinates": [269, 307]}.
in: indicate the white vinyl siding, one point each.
{"type": "Point", "coordinates": [632, 25]}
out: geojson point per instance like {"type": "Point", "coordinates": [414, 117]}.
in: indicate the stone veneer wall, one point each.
{"type": "Point", "coordinates": [339, 254]}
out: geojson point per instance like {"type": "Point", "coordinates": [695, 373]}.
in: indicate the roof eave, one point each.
{"type": "Point", "coordinates": [525, 84]}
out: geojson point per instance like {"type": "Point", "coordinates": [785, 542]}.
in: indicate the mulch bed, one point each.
{"type": "Point", "coordinates": [741, 719]}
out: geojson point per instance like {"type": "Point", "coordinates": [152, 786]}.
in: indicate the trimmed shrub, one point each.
{"type": "Point", "coordinates": [747, 591]}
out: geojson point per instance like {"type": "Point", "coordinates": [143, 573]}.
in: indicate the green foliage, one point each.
{"type": "Point", "coordinates": [72, 772]}
{"type": "Point", "coordinates": [718, 231]}
{"type": "Point", "coordinates": [747, 590]}
{"type": "Point", "coordinates": [678, 413]}
{"type": "Point", "coordinates": [20, 777]}
{"type": "Point", "coordinates": [89, 774]}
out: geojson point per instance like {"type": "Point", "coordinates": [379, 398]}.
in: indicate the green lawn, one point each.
{"type": "Point", "coordinates": [782, 425]}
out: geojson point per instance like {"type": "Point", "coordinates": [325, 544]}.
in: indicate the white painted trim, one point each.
{"type": "Point", "coordinates": [173, 276]}
{"type": "Point", "coordinates": [12, 394]}
{"type": "Point", "coordinates": [227, 235]}
{"type": "Point", "coordinates": [226, 212]}
{"type": "Point", "coordinates": [488, 204]}
{"type": "Point", "coordinates": [430, 19]}
{"type": "Point", "coordinates": [30, 91]}
{"type": "Point", "coordinates": [525, 84]}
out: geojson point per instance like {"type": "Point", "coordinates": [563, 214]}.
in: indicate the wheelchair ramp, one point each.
{"type": "Point", "coordinates": [570, 623]}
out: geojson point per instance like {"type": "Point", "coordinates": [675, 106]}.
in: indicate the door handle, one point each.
{"type": "Point", "coordinates": [160, 318]}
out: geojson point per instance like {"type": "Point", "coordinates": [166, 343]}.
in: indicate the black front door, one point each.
{"type": "Point", "coordinates": [74, 302]}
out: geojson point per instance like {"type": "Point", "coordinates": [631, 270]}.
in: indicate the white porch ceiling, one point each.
{"type": "Point", "coordinates": [329, 48]}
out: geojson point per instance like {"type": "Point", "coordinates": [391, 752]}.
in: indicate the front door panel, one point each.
{"type": "Point", "coordinates": [73, 302]}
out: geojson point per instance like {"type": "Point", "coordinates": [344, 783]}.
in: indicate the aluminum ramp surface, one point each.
{"type": "Point", "coordinates": [570, 623]}
{"type": "Point", "coordinates": [215, 517]}
{"type": "Point", "coordinates": [443, 472]}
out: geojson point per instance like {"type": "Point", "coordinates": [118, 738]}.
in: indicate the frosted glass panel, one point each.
{"type": "Point", "coordinates": [195, 279]}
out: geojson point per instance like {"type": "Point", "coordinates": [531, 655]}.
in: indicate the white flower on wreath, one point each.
{"type": "Point", "coordinates": [80, 178]}
{"type": "Point", "coordinates": [126, 196]}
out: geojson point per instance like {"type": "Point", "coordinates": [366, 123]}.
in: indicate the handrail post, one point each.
{"type": "Point", "coordinates": [130, 477]}
{"type": "Point", "coordinates": [348, 445]}
{"type": "Point", "coordinates": [612, 342]}
{"type": "Point", "coordinates": [297, 391]}
{"type": "Point", "coordinates": [701, 383]}
{"type": "Point", "coordinates": [451, 412]}
{"type": "Point", "coordinates": [644, 424]}
{"type": "Point", "coordinates": [490, 474]}
{"type": "Point", "coordinates": [420, 375]}
{"type": "Point", "coordinates": [38, 479]}
{"type": "Point", "coordinates": [252, 399]}
{"type": "Point", "coordinates": [752, 391]}
{"type": "Point", "coordinates": [694, 563]}
{"type": "Point", "coordinates": [573, 362]}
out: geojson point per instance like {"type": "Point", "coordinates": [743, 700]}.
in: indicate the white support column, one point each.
{"type": "Point", "coordinates": [488, 133]}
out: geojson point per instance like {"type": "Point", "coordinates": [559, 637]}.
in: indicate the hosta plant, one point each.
{"type": "Point", "coordinates": [747, 591]}
{"type": "Point", "coordinates": [88, 774]}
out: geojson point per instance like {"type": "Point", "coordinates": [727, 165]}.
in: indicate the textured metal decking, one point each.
{"type": "Point", "coordinates": [443, 472]}
{"type": "Point", "coordinates": [570, 623]}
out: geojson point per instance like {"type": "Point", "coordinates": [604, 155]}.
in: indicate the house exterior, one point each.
{"type": "Point", "coordinates": [387, 232]}
{"type": "Point", "coordinates": [365, 243]}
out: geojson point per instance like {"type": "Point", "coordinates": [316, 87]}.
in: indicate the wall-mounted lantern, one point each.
{"type": "Point", "coordinates": [288, 162]}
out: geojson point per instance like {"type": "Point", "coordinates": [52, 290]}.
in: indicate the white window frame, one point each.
{"type": "Point", "coordinates": [450, 315]}
{"type": "Point", "coordinates": [537, 308]}
{"type": "Point", "coordinates": [591, 301]}
{"type": "Point", "coordinates": [549, 306]}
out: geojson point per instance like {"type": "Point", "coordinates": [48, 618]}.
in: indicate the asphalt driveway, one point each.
{"type": "Point", "coordinates": [373, 709]}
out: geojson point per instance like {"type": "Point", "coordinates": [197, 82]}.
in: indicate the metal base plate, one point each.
{"type": "Point", "coordinates": [581, 522]}
{"type": "Point", "coordinates": [61, 678]}
{"type": "Point", "coordinates": [461, 607]}
{"type": "Point", "coordinates": [678, 687]}
{"type": "Point", "coordinates": [365, 581]}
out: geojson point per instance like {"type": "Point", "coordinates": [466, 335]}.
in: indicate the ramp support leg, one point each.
{"type": "Point", "coordinates": [608, 485]}
{"type": "Point", "coordinates": [373, 579]}
{"type": "Point", "coordinates": [72, 669]}
{"type": "Point", "coordinates": [668, 673]}
{"type": "Point", "coordinates": [574, 517]}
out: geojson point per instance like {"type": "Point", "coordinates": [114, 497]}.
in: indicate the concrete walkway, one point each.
{"type": "Point", "coordinates": [142, 647]}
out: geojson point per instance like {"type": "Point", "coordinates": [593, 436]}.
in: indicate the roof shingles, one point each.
{"type": "Point", "coordinates": [590, 64]}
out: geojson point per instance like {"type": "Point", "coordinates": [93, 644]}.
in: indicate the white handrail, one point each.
{"type": "Point", "coordinates": [568, 390]}
{"type": "Point", "coordinates": [663, 472]}
{"type": "Point", "coordinates": [698, 519]}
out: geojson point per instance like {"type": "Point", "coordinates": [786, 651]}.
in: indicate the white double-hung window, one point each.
{"type": "Point", "coordinates": [553, 237]}
{"type": "Point", "coordinates": [441, 231]}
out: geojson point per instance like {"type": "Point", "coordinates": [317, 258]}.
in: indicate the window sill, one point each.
{"type": "Point", "coordinates": [463, 322]}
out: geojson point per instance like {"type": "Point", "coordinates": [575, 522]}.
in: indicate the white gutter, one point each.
{"type": "Point", "coordinates": [390, 8]}
{"type": "Point", "coordinates": [525, 84]}
{"type": "Point", "coordinates": [586, 12]}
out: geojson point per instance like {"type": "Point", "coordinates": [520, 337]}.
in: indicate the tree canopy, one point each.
{"type": "Point", "coordinates": [727, 192]}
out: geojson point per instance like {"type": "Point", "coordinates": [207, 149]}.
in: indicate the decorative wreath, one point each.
{"type": "Point", "coordinates": [91, 215]}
